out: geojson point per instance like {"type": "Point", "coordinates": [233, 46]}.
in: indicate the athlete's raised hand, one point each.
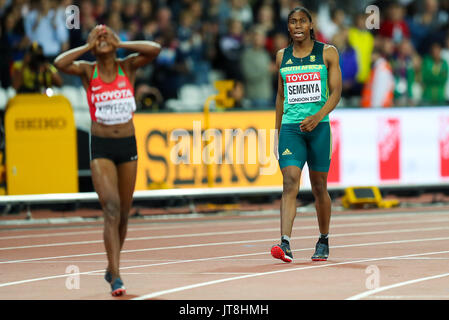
{"type": "Point", "coordinates": [93, 36]}
{"type": "Point", "coordinates": [112, 37]}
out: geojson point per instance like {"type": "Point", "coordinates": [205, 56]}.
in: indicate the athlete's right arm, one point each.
{"type": "Point", "coordinates": [279, 101]}
{"type": "Point", "coordinates": [65, 62]}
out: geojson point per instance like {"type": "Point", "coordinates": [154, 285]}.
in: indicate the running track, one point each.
{"type": "Point", "coordinates": [376, 255]}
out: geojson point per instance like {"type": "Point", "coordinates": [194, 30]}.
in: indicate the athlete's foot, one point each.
{"type": "Point", "coordinates": [321, 250]}
{"type": "Point", "coordinates": [117, 288]}
{"type": "Point", "coordinates": [282, 251]}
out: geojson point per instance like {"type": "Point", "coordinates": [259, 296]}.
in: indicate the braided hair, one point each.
{"type": "Point", "coordinates": [309, 16]}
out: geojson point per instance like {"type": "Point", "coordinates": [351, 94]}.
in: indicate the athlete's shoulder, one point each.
{"type": "Point", "coordinates": [330, 51]}
{"type": "Point", "coordinates": [280, 52]}
{"type": "Point", "coordinates": [280, 55]}
{"type": "Point", "coordinates": [328, 46]}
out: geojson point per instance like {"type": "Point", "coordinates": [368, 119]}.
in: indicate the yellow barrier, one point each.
{"type": "Point", "coordinates": [222, 100]}
{"type": "Point", "coordinates": [41, 152]}
{"type": "Point", "coordinates": [174, 150]}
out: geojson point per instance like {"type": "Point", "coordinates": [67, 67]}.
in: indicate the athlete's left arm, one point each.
{"type": "Point", "coordinates": [332, 60]}
{"type": "Point", "coordinates": [145, 52]}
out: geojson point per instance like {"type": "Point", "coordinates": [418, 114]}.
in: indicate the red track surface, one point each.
{"type": "Point", "coordinates": [389, 254]}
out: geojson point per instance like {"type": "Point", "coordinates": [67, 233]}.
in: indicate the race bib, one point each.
{"type": "Point", "coordinates": [303, 87]}
{"type": "Point", "coordinates": [115, 111]}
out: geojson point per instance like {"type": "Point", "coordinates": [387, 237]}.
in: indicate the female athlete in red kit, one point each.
{"type": "Point", "coordinates": [109, 85]}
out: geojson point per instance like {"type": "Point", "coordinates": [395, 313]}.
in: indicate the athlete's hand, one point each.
{"type": "Point", "coordinates": [113, 38]}
{"type": "Point", "coordinates": [276, 145]}
{"type": "Point", "coordinates": [93, 36]}
{"type": "Point", "coordinates": [309, 123]}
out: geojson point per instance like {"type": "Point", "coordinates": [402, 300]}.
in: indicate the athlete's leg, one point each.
{"type": "Point", "coordinates": [291, 177]}
{"type": "Point", "coordinates": [319, 157]}
{"type": "Point", "coordinates": [318, 181]}
{"type": "Point", "coordinates": [126, 182]}
{"type": "Point", "coordinates": [292, 157]}
{"type": "Point", "coordinates": [105, 181]}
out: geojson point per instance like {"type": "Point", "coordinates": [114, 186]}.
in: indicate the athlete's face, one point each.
{"type": "Point", "coordinates": [105, 40]}
{"type": "Point", "coordinates": [299, 26]}
{"type": "Point", "coordinates": [103, 44]}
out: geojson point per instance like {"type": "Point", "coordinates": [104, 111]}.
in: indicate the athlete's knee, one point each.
{"type": "Point", "coordinates": [111, 209]}
{"type": "Point", "coordinates": [319, 188]}
{"type": "Point", "coordinates": [290, 184]}
{"type": "Point", "coordinates": [124, 215]}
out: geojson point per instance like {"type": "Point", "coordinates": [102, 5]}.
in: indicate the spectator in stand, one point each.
{"type": "Point", "coordinates": [189, 43]}
{"type": "Point", "coordinates": [280, 41]}
{"type": "Point", "coordinates": [379, 89]}
{"type": "Point", "coordinates": [12, 30]}
{"type": "Point", "coordinates": [78, 37]}
{"type": "Point", "coordinates": [284, 10]}
{"type": "Point", "coordinates": [100, 11]}
{"type": "Point", "coordinates": [426, 23]}
{"type": "Point", "coordinates": [336, 23]}
{"type": "Point", "coordinates": [145, 73]}
{"type": "Point", "coordinates": [405, 69]}
{"type": "Point", "coordinates": [445, 56]}
{"type": "Point", "coordinates": [170, 68]}
{"type": "Point", "coordinates": [240, 10]}
{"type": "Point", "coordinates": [395, 26]}
{"type": "Point", "coordinates": [256, 68]}
{"type": "Point", "coordinates": [115, 6]}
{"type": "Point", "coordinates": [362, 41]}
{"type": "Point", "coordinates": [266, 20]}
{"type": "Point", "coordinates": [129, 12]}
{"type": "Point", "coordinates": [47, 26]}
{"type": "Point", "coordinates": [230, 48]}
{"type": "Point", "coordinates": [212, 11]}
{"type": "Point", "coordinates": [13, 43]}
{"type": "Point", "coordinates": [88, 20]}
{"type": "Point", "coordinates": [319, 36]}
{"type": "Point", "coordinates": [148, 30]}
{"type": "Point", "coordinates": [116, 24]}
{"type": "Point", "coordinates": [5, 59]}
{"type": "Point", "coordinates": [145, 12]}
{"type": "Point", "coordinates": [209, 34]}
{"type": "Point", "coordinates": [348, 64]}
{"type": "Point", "coordinates": [34, 74]}
{"type": "Point", "coordinates": [434, 76]}
{"type": "Point", "coordinates": [164, 21]}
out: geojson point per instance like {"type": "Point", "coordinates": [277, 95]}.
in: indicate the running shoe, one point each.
{"type": "Point", "coordinates": [117, 288]}
{"type": "Point", "coordinates": [282, 251]}
{"type": "Point", "coordinates": [321, 251]}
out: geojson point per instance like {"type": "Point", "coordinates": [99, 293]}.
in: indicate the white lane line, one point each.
{"type": "Point", "coordinates": [208, 283]}
{"type": "Point", "coordinates": [234, 259]}
{"type": "Point", "coordinates": [244, 242]}
{"type": "Point", "coordinates": [396, 285]}
{"type": "Point", "coordinates": [99, 230]}
{"type": "Point", "coordinates": [236, 256]}
{"type": "Point", "coordinates": [204, 234]}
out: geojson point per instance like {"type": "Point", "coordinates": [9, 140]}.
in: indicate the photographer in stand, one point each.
{"type": "Point", "coordinates": [34, 74]}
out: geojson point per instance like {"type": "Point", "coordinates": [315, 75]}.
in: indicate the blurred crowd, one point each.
{"type": "Point", "coordinates": [399, 58]}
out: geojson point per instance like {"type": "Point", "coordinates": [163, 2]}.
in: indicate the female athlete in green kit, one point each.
{"type": "Point", "coordinates": [309, 88]}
